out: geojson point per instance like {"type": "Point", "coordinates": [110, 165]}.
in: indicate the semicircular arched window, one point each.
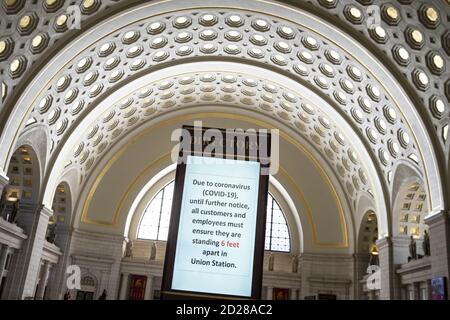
{"type": "Point", "coordinates": [277, 231]}
{"type": "Point", "coordinates": [154, 224]}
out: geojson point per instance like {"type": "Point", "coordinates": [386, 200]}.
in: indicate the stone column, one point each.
{"type": "Point", "coordinates": [416, 290]}
{"type": "Point", "coordinates": [43, 281]}
{"type": "Point", "coordinates": [439, 230]}
{"type": "Point", "coordinates": [33, 219]}
{"type": "Point", "coordinates": [407, 292]}
{"type": "Point", "coordinates": [4, 180]}
{"type": "Point", "coordinates": [57, 286]}
{"type": "Point", "coordinates": [103, 284]}
{"type": "Point", "coordinates": [423, 290]}
{"type": "Point", "coordinates": [387, 268]}
{"type": "Point", "coordinates": [269, 295]}
{"type": "Point", "coordinates": [149, 288]}
{"type": "Point", "coordinates": [124, 286]}
{"type": "Point", "coordinates": [292, 294]}
{"type": "Point", "coordinates": [392, 252]}
{"type": "Point", "coordinates": [306, 267]}
{"type": "Point", "coordinates": [361, 262]}
{"type": "Point", "coordinates": [4, 249]}
{"type": "Point", "coordinates": [428, 286]}
{"type": "Point", "coordinates": [400, 247]}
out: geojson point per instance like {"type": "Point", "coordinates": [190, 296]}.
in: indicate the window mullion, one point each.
{"type": "Point", "coordinates": [160, 212]}
{"type": "Point", "coordinates": [271, 224]}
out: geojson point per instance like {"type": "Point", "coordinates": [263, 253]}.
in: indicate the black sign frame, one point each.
{"type": "Point", "coordinates": [167, 293]}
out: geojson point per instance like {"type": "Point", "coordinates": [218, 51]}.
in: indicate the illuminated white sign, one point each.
{"type": "Point", "coordinates": [216, 233]}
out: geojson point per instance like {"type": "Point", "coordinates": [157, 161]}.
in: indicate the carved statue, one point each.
{"type": "Point", "coordinates": [67, 295]}
{"type": "Point", "coordinates": [153, 251]}
{"type": "Point", "coordinates": [271, 261]}
{"type": "Point", "coordinates": [104, 295]}
{"type": "Point", "coordinates": [294, 263]}
{"type": "Point", "coordinates": [3, 201]}
{"type": "Point", "coordinates": [51, 233]}
{"type": "Point", "coordinates": [426, 243]}
{"type": "Point", "coordinates": [129, 249]}
{"type": "Point", "coordinates": [15, 212]}
{"type": "Point", "coordinates": [413, 249]}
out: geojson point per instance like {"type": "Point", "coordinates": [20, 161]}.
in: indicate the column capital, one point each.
{"type": "Point", "coordinates": [4, 248]}
{"type": "Point", "coordinates": [43, 281]}
{"type": "Point", "coordinates": [384, 243]}
{"type": "Point", "coordinates": [437, 217]}
{"type": "Point", "coordinates": [46, 211]}
{"type": "Point", "coordinates": [4, 180]}
{"type": "Point", "coordinates": [64, 228]}
{"type": "Point", "coordinates": [29, 211]}
{"type": "Point", "coordinates": [401, 240]}
{"type": "Point", "coordinates": [30, 207]}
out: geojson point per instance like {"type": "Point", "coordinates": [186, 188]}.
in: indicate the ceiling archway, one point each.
{"type": "Point", "coordinates": [300, 46]}
{"type": "Point", "coordinates": [107, 195]}
{"type": "Point", "coordinates": [231, 89]}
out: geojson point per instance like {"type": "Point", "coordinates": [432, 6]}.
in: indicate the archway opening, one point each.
{"type": "Point", "coordinates": [24, 183]}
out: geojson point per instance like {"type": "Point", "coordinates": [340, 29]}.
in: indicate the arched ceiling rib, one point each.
{"type": "Point", "coordinates": [418, 51]}
{"type": "Point", "coordinates": [307, 55]}
{"type": "Point", "coordinates": [160, 39]}
{"type": "Point", "coordinates": [227, 89]}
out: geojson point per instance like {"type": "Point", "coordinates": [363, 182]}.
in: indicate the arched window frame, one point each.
{"type": "Point", "coordinates": [269, 236]}
{"type": "Point", "coordinates": [165, 200]}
